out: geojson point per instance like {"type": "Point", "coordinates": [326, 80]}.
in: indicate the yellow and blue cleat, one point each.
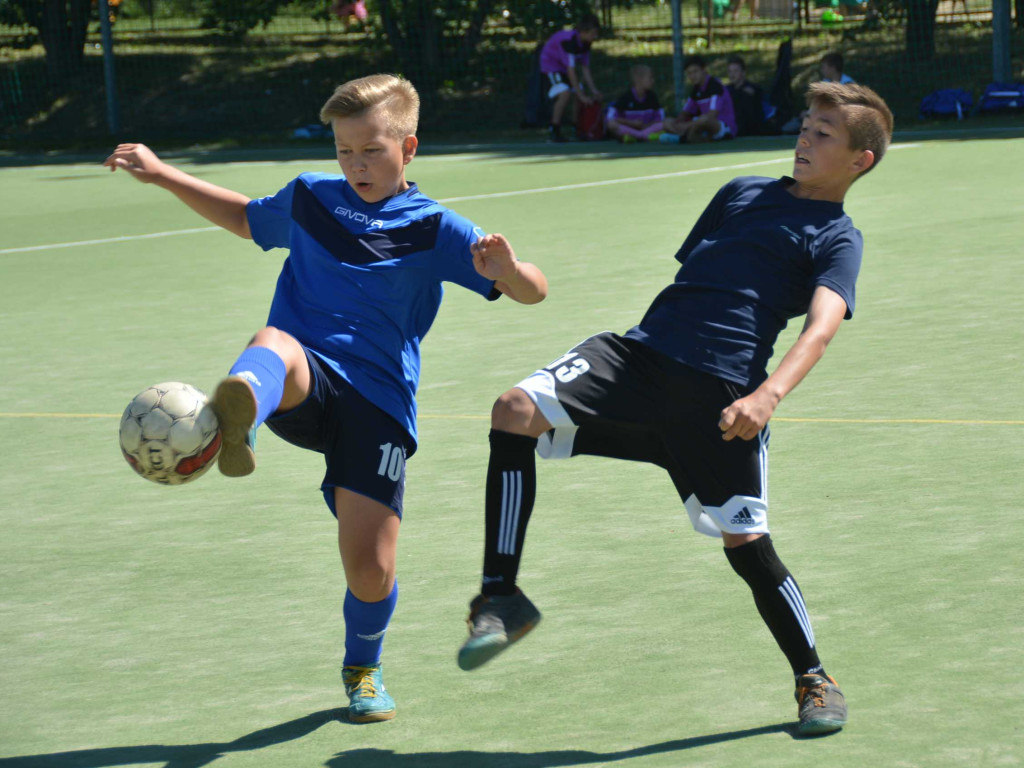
{"type": "Point", "coordinates": [368, 701]}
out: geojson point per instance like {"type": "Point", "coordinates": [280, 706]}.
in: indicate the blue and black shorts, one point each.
{"type": "Point", "coordinates": [364, 448]}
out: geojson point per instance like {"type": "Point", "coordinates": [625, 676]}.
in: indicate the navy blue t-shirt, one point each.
{"type": "Point", "coordinates": [750, 264]}
{"type": "Point", "coordinates": [362, 283]}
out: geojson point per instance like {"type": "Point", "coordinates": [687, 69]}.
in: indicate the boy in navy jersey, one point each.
{"type": "Point", "coordinates": [687, 389]}
{"type": "Point", "coordinates": [337, 366]}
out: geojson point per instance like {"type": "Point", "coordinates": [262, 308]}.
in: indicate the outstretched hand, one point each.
{"type": "Point", "coordinates": [494, 258]}
{"type": "Point", "coordinates": [138, 160]}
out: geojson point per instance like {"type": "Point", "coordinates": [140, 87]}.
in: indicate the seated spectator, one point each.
{"type": "Point", "coordinates": [708, 114]}
{"type": "Point", "coordinates": [636, 114]}
{"type": "Point", "coordinates": [747, 99]}
{"type": "Point", "coordinates": [831, 69]}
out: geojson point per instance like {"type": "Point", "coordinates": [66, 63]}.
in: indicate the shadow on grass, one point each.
{"type": "Point", "coordinates": [385, 758]}
{"type": "Point", "coordinates": [178, 755]}
{"type": "Point", "coordinates": [197, 755]}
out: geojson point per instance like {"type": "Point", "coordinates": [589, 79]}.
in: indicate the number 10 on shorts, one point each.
{"type": "Point", "coordinates": [392, 460]}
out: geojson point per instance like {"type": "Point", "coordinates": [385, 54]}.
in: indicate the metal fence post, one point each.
{"type": "Point", "coordinates": [1002, 71]}
{"type": "Point", "coordinates": [109, 79]}
{"type": "Point", "coordinates": [677, 53]}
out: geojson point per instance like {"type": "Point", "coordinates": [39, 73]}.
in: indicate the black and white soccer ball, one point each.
{"type": "Point", "coordinates": [169, 434]}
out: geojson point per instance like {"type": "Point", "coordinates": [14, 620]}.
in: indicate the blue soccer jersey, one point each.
{"type": "Point", "coordinates": [750, 264]}
{"type": "Point", "coordinates": [362, 282]}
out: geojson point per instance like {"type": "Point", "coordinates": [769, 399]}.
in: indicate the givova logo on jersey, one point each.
{"type": "Point", "coordinates": [360, 218]}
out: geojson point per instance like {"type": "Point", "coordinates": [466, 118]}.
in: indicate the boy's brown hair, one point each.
{"type": "Point", "coordinates": [394, 95]}
{"type": "Point", "coordinates": [865, 115]}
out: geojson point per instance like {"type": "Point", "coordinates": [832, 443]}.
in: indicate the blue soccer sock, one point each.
{"type": "Point", "coordinates": [365, 626]}
{"type": "Point", "coordinates": [266, 372]}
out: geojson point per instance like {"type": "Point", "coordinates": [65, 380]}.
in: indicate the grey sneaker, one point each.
{"type": "Point", "coordinates": [822, 706]}
{"type": "Point", "coordinates": [234, 402]}
{"type": "Point", "coordinates": [495, 622]}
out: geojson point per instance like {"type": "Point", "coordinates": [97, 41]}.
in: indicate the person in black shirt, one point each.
{"type": "Point", "coordinates": [747, 99]}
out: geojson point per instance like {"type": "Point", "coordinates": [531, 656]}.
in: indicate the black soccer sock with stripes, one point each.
{"type": "Point", "coordinates": [511, 488]}
{"type": "Point", "coordinates": [779, 601]}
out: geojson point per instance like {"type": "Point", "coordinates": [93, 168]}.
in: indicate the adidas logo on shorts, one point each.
{"type": "Point", "coordinates": [743, 517]}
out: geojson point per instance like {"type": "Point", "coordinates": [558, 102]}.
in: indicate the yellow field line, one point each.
{"type": "Point", "coordinates": [455, 416]}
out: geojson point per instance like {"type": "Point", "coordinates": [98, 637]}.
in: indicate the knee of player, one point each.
{"type": "Point", "coordinates": [370, 582]}
{"type": "Point", "coordinates": [265, 337]}
{"type": "Point", "coordinates": [512, 411]}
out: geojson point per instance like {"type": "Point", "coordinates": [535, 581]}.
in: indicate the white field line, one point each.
{"type": "Point", "coordinates": [516, 193]}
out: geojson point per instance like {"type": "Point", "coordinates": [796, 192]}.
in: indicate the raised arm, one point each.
{"type": "Point", "coordinates": [223, 207]}
{"type": "Point", "coordinates": [521, 281]}
{"type": "Point", "coordinates": [748, 415]}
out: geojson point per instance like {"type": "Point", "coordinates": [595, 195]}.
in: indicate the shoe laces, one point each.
{"type": "Point", "coordinates": [815, 692]}
{"type": "Point", "coordinates": [361, 680]}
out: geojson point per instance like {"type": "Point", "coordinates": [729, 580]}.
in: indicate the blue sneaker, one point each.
{"type": "Point", "coordinates": [234, 402]}
{"type": "Point", "coordinates": [495, 622]}
{"type": "Point", "coordinates": [368, 702]}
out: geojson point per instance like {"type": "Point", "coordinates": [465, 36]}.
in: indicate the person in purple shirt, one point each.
{"type": "Point", "coordinates": [561, 54]}
{"type": "Point", "coordinates": [708, 114]}
{"type": "Point", "coordinates": [637, 115]}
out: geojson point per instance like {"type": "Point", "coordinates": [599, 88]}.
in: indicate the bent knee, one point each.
{"type": "Point", "coordinates": [270, 337]}
{"type": "Point", "coordinates": [514, 412]}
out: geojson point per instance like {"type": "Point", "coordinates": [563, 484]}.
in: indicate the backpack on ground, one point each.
{"type": "Point", "coordinates": [947, 102]}
{"type": "Point", "coordinates": [1001, 96]}
{"type": "Point", "coordinates": [590, 121]}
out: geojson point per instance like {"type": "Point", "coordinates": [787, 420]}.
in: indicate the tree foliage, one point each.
{"type": "Point", "coordinates": [236, 17]}
{"type": "Point", "coordinates": [61, 25]}
{"type": "Point", "coordinates": [432, 37]}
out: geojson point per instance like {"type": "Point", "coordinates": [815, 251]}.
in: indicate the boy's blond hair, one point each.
{"type": "Point", "coordinates": [865, 114]}
{"type": "Point", "coordinates": [395, 96]}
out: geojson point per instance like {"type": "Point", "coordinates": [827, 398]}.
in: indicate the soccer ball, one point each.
{"type": "Point", "coordinates": [169, 434]}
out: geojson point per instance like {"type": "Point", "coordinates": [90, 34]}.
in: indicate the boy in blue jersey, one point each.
{"type": "Point", "coordinates": [687, 389]}
{"type": "Point", "coordinates": [337, 366]}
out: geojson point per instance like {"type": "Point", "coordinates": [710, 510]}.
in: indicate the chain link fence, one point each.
{"type": "Point", "coordinates": [227, 70]}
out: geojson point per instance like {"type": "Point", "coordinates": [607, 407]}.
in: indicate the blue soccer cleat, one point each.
{"type": "Point", "coordinates": [368, 702]}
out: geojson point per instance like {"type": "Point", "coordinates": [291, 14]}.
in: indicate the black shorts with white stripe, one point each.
{"type": "Point", "coordinates": [616, 397]}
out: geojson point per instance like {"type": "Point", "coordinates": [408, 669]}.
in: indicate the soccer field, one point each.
{"type": "Point", "coordinates": [143, 625]}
